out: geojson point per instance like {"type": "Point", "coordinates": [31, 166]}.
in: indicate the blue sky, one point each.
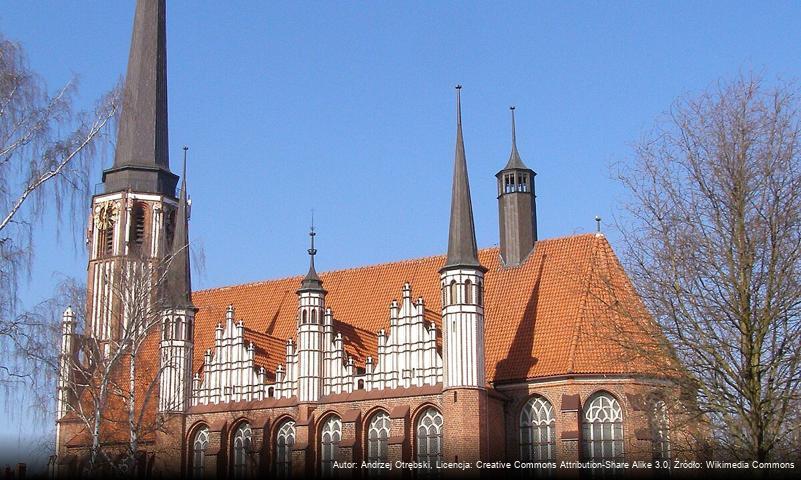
{"type": "Point", "coordinates": [348, 109]}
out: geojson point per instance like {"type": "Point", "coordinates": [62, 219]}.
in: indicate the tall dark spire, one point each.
{"type": "Point", "coordinates": [179, 279]}
{"type": "Point", "coordinates": [141, 160]}
{"type": "Point", "coordinates": [462, 251]}
{"type": "Point", "coordinates": [312, 282]}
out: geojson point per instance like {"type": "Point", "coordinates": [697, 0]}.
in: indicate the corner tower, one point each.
{"type": "Point", "coordinates": [462, 281]}
{"type": "Point", "coordinates": [517, 207]}
{"type": "Point", "coordinates": [464, 394]}
{"type": "Point", "coordinates": [178, 317]}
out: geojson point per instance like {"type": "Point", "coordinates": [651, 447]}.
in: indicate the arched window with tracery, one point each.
{"type": "Point", "coordinates": [330, 436]}
{"type": "Point", "coordinates": [242, 451]}
{"type": "Point", "coordinates": [429, 436]}
{"type": "Point", "coordinates": [602, 428]}
{"type": "Point", "coordinates": [660, 426]}
{"type": "Point", "coordinates": [284, 440]}
{"type": "Point", "coordinates": [378, 438]}
{"type": "Point", "coordinates": [200, 444]}
{"type": "Point", "coordinates": [537, 435]}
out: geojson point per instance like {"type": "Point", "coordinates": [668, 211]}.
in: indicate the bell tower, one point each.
{"type": "Point", "coordinates": [133, 221]}
{"type": "Point", "coordinates": [517, 207]}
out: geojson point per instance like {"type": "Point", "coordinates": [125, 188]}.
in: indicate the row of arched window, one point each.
{"type": "Point", "coordinates": [601, 428]}
{"type": "Point", "coordinates": [473, 293]}
{"type": "Point", "coordinates": [601, 439]}
{"type": "Point", "coordinates": [428, 441]}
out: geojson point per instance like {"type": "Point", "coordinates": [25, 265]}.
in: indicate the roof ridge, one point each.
{"type": "Point", "coordinates": [578, 317]}
{"type": "Point", "coordinates": [374, 265]}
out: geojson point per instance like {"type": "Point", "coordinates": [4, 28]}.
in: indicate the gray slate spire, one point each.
{"type": "Point", "coordinates": [514, 157]}
{"type": "Point", "coordinates": [141, 160]}
{"type": "Point", "coordinates": [312, 282]}
{"type": "Point", "coordinates": [179, 279]}
{"type": "Point", "coordinates": [462, 251]}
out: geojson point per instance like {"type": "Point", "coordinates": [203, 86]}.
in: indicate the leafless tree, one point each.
{"type": "Point", "coordinates": [713, 246]}
{"type": "Point", "coordinates": [47, 150]}
{"type": "Point", "coordinates": [110, 384]}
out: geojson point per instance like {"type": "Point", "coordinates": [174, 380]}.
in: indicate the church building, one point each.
{"type": "Point", "coordinates": [503, 354]}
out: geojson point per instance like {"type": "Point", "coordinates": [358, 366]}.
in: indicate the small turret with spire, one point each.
{"type": "Point", "coordinates": [517, 208]}
{"type": "Point", "coordinates": [462, 280]}
{"type": "Point", "coordinates": [311, 330]}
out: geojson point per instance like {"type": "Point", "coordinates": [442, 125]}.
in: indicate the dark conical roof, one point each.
{"type": "Point", "coordinates": [179, 277]}
{"type": "Point", "coordinates": [311, 282]}
{"type": "Point", "coordinates": [141, 160]}
{"type": "Point", "coordinates": [462, 251]}
{"type": "Point", "coordinates": [514, 158]}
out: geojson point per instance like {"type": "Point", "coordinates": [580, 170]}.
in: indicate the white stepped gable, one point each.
{"type": "Point", "coordinates": [407, 357]}
{"type": "Point", "coordinates": [229, 373]}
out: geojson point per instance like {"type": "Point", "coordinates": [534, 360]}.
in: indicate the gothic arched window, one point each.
{"type": "Point", "coordinates": [537, 436]}
{"type": "Point", "coordinates": [314, 316]}
{"type": "Point", "coordinates": [242, 447]}
{"type": "Point", "coordinates": [602, 428]}
{"type": "Point", "coordinates": [468, 292]}
{"type": "Point", "coordinates": [329, 444]}
{"type": "Point", "coordinates": [199, 447]}
{"type": "Point", "coordinates": [429, 436]}
{"type": "Point", "coordinates": [480, 294]}
{"type": "Point", "coordinates": [454, 297]}
{"type": "Point", "coordinates": [378, 438]}
{"type": "Point", "coordinates": [660, 426]}
{"type": "Point", "coordinates": [303, 315]}
{"type": "Point", "coordinates": [284, 440]}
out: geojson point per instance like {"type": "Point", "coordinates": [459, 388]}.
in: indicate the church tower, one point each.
{"type": "Point", "coordinates": [517, 207]}
{"type": "Point", "coordinates": [311, 308]}
{"type": "Point", "coordinates": [462, 281]}
{"type": "Point", "coordinates": [134, 220]}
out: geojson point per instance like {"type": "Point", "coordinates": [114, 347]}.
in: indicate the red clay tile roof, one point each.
{"type": "Point", "coordinates": [561, 312]}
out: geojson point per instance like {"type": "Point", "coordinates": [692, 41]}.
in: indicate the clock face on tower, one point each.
{"type": "Point", "coordinates": [105, 215]}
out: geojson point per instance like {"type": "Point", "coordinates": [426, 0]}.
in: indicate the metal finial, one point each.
{"type": "Point", "coordinates": [312, 251]}
{"type": "Point", "coordinates": [514, 135]}
{"type": "Point", "coordinates": [598, 223]}
{"type": "Point", "coordinates": [459, 104]}
{"type": "Point", "coordinates": [183, 173]}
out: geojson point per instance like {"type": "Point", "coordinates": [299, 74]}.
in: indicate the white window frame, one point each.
{"type": "Point", "coordinates": [284, 440]}
{"type": "Point", "coordinates": [602, 428]}
{"type": "Point", "coordinates": [537, 430]}
{"type": "Point", "coordinates": [330, 436]}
